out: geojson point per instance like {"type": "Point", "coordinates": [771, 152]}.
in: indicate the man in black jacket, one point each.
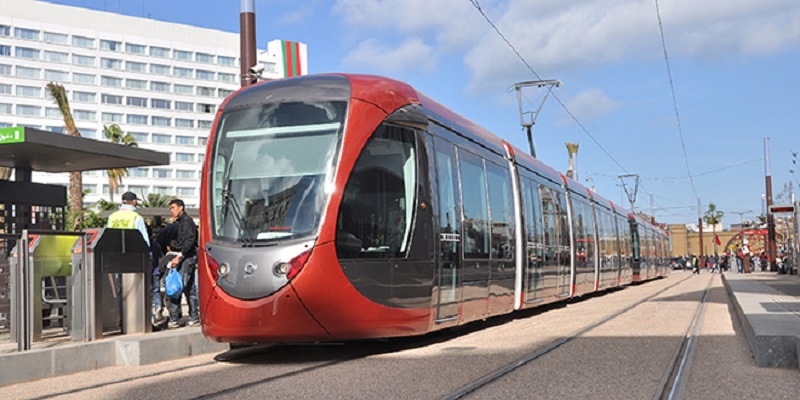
{"type": "Point", "coordinates": [186, 261]}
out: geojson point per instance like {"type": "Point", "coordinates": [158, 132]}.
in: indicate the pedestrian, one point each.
{"type": "Point", "coordinates": [695, 265]}
{"type": "Point", "coordinates": [127, 217]}
{"type": "Point", "coordinates": [746, 254]}
{"type": "Point", "coordinates": [714, 264]}
{"type": "Point", "coordinates": [186, 263]}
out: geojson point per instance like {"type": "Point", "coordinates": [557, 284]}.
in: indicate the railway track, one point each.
{"type": "Point", "coordinates": [673, 382]}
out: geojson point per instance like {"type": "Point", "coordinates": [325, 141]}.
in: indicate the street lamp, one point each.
{"type": "Point", "coordinates": [741, 216]}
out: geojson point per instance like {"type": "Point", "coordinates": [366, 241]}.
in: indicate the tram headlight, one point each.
{"type": "Point", "coordinates": [223, 269]}
{"type": "Point", "coordinates": [281, 269]}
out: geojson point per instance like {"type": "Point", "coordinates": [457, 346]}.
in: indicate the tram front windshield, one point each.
{"type": "Point", "coordinates": [271, 166]}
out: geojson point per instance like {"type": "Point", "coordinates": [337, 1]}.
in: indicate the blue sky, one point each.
{"type": "Point", "coordinates": [734, 66]}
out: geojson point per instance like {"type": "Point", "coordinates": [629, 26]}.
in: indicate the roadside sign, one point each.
{"type": "Point", "coordinates": [781, 208]}
{"type": "Point", "coordinates": [15, 134]}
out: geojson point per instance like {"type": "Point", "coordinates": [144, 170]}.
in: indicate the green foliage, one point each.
{"type": "Point", "coordinates": [155, 200]}
{"type": "Point", "coordinates": [713, 216]}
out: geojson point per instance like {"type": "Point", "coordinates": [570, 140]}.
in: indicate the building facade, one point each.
{"type": "Point", "coordinates": [161, 82]}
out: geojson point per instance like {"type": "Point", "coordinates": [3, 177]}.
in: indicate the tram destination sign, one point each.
{"type": "Point", "coordinates": [781, 208]}
{"type": "Point", "coordinates": [15, 134]}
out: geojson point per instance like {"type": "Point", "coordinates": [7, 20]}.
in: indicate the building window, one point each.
{"type": "Point", "coordinates": [184, 123]}
{"type": "Point", "coordinates": [204, 58]}
{"type": "Point", "coordinates": [183, 55]}
{"type": "Point", "coordinates": [28, 91]}
{"type": "Point", "coordinates": [162, 121]}
{"type": "Point", "coordinates": [29, 110]}
{"type": "Point", "coordinates": [162, 173]}
{"type": "Point", "coordinates": [205, 91]}
{"type": "Point", "coordinates": [81, 41]}
{"type": "Point", "coordinates": [91, 189]}
{"type": "Point", "coordinates": [164, 190]}
{"type": "Point", "coordinates": [206, 108]}
{"type": "Point", "coordinates": [181, 174]}
{"type": "Point", "coordinates": [184, 191]}
{"type": "Point", "coordinates": [135, 66]}
{"type": "Point", "coordinates": [27, 34]}
{"type": "Point", "coordinates": [136, 101]}
{"type": "Point", "coordinates": [136, 84]}
{"type": "Point", "coordinates": [140, 137]}
{"type": "Point", "coordinates": [131, 48]}
{"type": "Point", "coordinates": [5, 69]}
{"type": "Point", "coordinates": [184, 157]}
{"type": "Point", "coordinates": [182, 72]}
{"type": "Point", "coordinates": [183, 106]}
{"type": "Point", "coordinates": [56, 57]}
{"type": "Point", "coordinates": [110, 63]}
{"type": "Point", "coordinates": [58, 76]}
{"type": "Point", "coordinates": [78, 59]}
{"type": "Point", "coordinates": [5, 30]}
{"type": "Point", "coordinates": [159, 69]}
{"type": "Point", "coordinates": [111, 99]}
{"type": "Point", "coordinates": [50, 112]}
{"type": "Point", "coordinates": [24, 52]}
{"type": "Point", "coordinates": [222, 60]}
{"type": "Point", "coordinates": [205, 75]}
{"type": "Point", "coordinates": [140, 190]}
{"type": "Point", "coordinates": [88, 133]}
{"type": "Point", "coordinates": [138, 172]}
{"type": "Point", "coordinates": [204, 124]}
{"type": "Point", "coordinates": [5, 89]}
{"type": "Point", "coordinates": [159, 51]}
{"type": "Point", "coordinates": [202, 141]}
{"type": "Point", "coordinates": [224, 93]}
{"type": "Point", "coordinates": [110, 45]}
{"type": "Point", "coordinates": [110, 81]}
{"type": "Point", "coordinates": [5, 109]}
{"type": "Point", "coordinates": [223, 77]}
{"type": "Point", "coordinates": [112, 117]}
{"type": "Point", "coordinates": [26, 72]}
{"type": "Point", "coordinates": [56, 129]}
{"type": "Point", "coordinates": [159, 86]}
{"type": "Point", "coordinates": [83, 78]}
{"type": "Point", "coordinates": [159, 103]}
{"type": "Point", "coordinates": [185, 140]}
{"type": "Point", "coordinates": [83, 115]}
{"type": "Point", "coordinates": [57, 38]}
{"type": "Point", "coordinates": [134, 119]}
{"type": "Point", "coordinates": [184, 89]}
{"type": "Point", "coordinates": [84, 97]}
{"type": "Point", "coordinates": [5, 51]}
{"type": "Point", "coordinates": [162, 139]}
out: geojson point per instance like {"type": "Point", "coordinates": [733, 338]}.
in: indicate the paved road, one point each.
{"type": "Point", "coordinates": [623, 358]}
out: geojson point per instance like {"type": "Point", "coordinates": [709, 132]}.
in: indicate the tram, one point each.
{"type": "Point", "coordinates": [338, 207]}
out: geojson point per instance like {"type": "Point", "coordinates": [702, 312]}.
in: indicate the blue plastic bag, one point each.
{"type": "Point", "coordinates": [173, 283]}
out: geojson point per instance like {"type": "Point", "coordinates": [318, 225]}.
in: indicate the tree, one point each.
{"type": "Point", "coordinates": [114, 134]}
{"type": "Point", "coordinates": [75, 178]}
{"type": "Point", "coordinates": [155, 200]}
{"type": "Point", "coordinates": [712, 217]}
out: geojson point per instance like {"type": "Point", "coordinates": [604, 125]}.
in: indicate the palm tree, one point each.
{"type": "Point", "coordinates": [713, 217]}
{"type": "Point", "coordinates": [114, 134]}
{"type": "Point", "coordinates": [572, 148]}
{"type": "Point", "coordinates": [156, 200]}
{"type": "Point", "coordinates": [75, 178]}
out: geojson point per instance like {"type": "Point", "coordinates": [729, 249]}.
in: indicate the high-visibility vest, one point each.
{"type": "Point", "coordinates": [123, 219]}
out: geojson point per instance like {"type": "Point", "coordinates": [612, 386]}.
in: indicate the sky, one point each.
{"type": "Point", "coordinates": [688, 114]}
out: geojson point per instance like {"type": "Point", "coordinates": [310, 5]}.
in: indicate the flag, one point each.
{"type": "Point", "coordinates": [716, 240]}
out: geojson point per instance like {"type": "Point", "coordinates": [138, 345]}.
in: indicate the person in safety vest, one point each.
{"type": "Point", "coordinates": [127, 217]}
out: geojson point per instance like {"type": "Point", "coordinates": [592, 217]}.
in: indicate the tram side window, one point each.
{"type": "Point", "coordinates": [376, 213]}
{"type": "Point", "coordinates": [502, 210]}
{"type": "Point", "coordinates": [550, 224]}
{"type": "Point", "coordinates": [533, 214]}
{"type": "Point", "coordinates": [475, 206]}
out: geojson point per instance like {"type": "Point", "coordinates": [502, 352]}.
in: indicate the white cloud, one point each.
{"type": "Point", "coordinates": [297, 16]}
{"type": "Point", "coordinates": [590, 104]}
{"type": "Point", "coordinates": [411, 55]}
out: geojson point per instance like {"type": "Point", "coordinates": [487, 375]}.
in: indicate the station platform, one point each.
{"type": "Point", "coordinates": [768, 307]}
{"type": "Point", "coordinates": [59, 358]}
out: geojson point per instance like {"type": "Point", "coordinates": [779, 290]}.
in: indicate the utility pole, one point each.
{"type": "Point", "coordinates": [532, 115]}
{"type": "Point", "coordinates": [770, 220]}
{"type": "Point", "coordinates": [700, 224]}
{"type": "Point", "coordinates": [247, 40]}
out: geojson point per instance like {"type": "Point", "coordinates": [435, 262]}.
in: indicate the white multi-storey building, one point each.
{"type": "Point", "coordinates": [161, 82]}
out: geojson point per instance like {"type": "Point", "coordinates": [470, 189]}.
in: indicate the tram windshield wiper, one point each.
{"type": "Point", "coordinates": [227, 199]}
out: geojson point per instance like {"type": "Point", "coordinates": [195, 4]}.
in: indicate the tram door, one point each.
{"type": "Point", "coordinates": [448, 265]}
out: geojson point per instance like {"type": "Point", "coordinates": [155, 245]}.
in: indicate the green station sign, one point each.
{"type": "Point", "coordinates": [15, 134]}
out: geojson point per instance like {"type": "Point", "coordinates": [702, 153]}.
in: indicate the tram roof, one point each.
{"type": "Point", "coordinates": [23, 147]}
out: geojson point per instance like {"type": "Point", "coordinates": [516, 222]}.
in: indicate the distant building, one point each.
{"type": "Point", "coordinates": [161, 82]}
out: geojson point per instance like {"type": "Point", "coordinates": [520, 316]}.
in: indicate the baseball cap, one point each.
{"type": "Point", "coordinates": [129, 196]}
